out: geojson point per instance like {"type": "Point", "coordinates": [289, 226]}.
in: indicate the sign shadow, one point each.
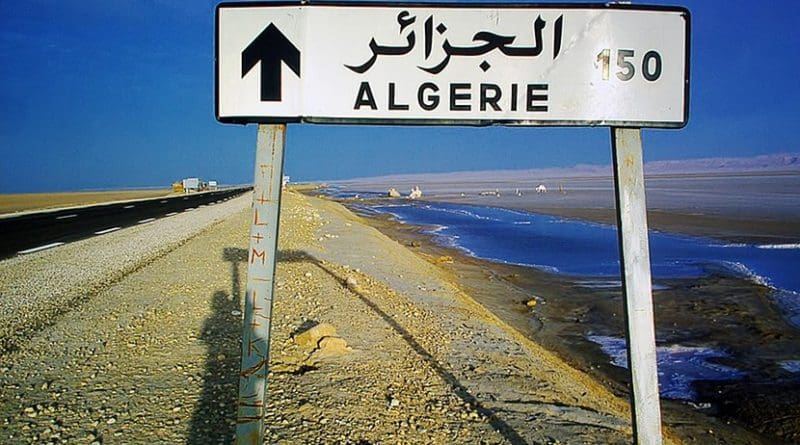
{"type": "Point", "coordinates": [498, 424]}
{"type": "Point", "coordinates": [214, 419]}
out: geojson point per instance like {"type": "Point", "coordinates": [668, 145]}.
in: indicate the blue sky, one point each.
{"type": "Point", "coordinates": [120, 93]}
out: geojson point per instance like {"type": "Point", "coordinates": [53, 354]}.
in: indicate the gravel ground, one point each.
{"type": "Point", "coordinates": [151, 353]}
{"type": "Point", "coordinates": [129, 335]}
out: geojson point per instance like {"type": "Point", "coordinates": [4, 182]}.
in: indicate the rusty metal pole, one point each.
{"type": "Point", "coordinates": [626, 145]}
{"type": "Point", "coordinates": [260, 284]}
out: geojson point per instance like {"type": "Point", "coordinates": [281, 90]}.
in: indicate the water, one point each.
{"type": "Point", "coordinates": [574, 247]}
{"type": "Point", "coordinates": [792, 366]}
{"type": "Point", "coordinates": [678, 366]}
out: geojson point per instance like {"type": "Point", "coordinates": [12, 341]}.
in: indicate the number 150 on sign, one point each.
{"type": "Point", "coordinates": [626, 60]}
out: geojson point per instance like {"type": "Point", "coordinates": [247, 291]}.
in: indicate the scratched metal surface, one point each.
{"type": "Point", "coordinates": [260, 274]}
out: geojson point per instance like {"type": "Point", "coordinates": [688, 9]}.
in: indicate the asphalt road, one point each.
{"type": "Point", "coordinates": [32, 232]}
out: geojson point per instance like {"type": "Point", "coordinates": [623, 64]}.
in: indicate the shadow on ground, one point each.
{"type": "Point", "coordinates": [214, 420]}
{"type": "Point", "coordinates": [457, 387]}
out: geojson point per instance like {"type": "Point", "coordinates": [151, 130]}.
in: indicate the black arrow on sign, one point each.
{"type": "Point", "coordinates": [270, 48]}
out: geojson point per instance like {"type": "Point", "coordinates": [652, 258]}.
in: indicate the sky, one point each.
{"type": "Point", "coordinates": [107, 94]}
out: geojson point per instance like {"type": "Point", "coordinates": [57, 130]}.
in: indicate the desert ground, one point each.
{"type": "Point", "coordinates": [13, 203]}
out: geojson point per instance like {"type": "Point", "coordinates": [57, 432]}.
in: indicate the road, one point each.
{"type": "Point", "coordinates": [37, 231]}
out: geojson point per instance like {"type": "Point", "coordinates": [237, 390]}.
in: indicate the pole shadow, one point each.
{"type": "Point", "coordinates": [214, 419]}
{"type": "Point", "coordinates": [498, 424]}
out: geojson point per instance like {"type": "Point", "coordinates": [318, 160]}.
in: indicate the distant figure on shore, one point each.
{"type": "Point", "coordinates": [518, 193]}
{"type": "Point", "coordinates": [416, 193]}
{"type": "Point", "coordinates": [541, 188]}
{"type": "Point", "coordinates": [393, 193]}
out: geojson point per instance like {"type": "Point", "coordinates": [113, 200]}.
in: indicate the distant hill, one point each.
{"type": "Point", "coordinates": [755, 164]}
{"type": "Point", "coordinates": [774, 162]}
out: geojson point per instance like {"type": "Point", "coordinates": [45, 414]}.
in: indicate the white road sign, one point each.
{"type": "Point", "coordinates": [472, 64]}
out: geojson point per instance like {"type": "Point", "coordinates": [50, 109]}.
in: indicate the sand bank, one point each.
{"type": "Point", "coordinates": [523, 393]}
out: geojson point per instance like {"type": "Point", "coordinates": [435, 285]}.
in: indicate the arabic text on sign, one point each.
{"type": "Point", "coordinates": [490, 41]}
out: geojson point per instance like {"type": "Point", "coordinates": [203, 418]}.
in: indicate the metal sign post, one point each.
{"type": "Point", "coordinates": [626, 145]}
{"type": "Point", "coordinates": [260, 283]}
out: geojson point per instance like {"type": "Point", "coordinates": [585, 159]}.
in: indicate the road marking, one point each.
{"type": "Point", "coordinates": [36, 249]}
{"type": "Point", "coordinates": [129, 206]}
{"type": "Point", "coordinates": [188, 210]}
{"type": "Point", "coordinates": [145, 221]}
{"type": "Point", "coordinates": [173, 213]}
{"type": "Point", "coordinates": [67, 216]}
{"type": "Point", "coordinates": [162, 201]}
{"type": "Point", "coordinates": [104, 231]}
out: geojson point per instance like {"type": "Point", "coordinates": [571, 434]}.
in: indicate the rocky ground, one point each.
{"type": "Point", "coordinates": [370, 343]}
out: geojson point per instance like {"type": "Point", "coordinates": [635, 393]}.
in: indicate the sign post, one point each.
{"type": "Point", "coordinates": [626, 147]}
{"type": "Point", "coordinates": [261, 260]}
{"type": "Point", "coordinates": [620, 66]}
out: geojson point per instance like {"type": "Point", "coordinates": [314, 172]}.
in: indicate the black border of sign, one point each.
{"type": "Point", "coordinates": [244, 120]}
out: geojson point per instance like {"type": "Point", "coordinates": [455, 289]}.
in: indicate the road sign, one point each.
{"type": "Point", "coordinates": [615, 65]}
{"type": "Point", "coordinates": [474, 64]}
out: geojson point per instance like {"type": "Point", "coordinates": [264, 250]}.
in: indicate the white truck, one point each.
{"type": "Point", "coordinates": [191, 185]}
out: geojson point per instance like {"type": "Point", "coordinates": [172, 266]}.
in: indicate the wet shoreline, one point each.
{"type": "Point", "coordinates": [727, 313]}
